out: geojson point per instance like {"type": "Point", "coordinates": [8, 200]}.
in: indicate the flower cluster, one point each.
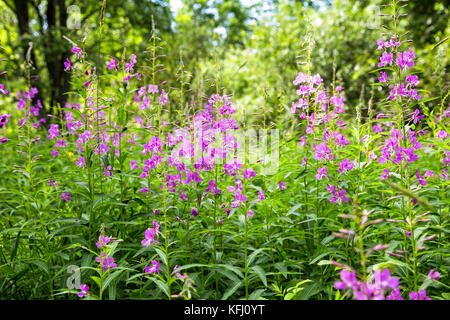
{"type": "Point", "coordinates": [321, 110]}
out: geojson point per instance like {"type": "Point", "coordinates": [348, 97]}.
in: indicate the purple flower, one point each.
{"type": "Point", "coordinates": [349, 281]}
{"type": "Point", "coordinates": [150, 235]}
{"type": "Point", "coordinates": [421, 180]}
{"type": "Point", "coordinates": [52, 183]}
{"type": "Point", "coordinates": [131, 63]}
{"type": "Point", "coordinates": [212, 188]}
{"type": "Point", "coordinates": [385, 175]}
{"type": "Point", "coordinates": [177, 272]}
{"type": "Point", "coordinates": [250, 214]}
{"type": "Point", "coordinates": [338, 195]}
{"type": "Point", "coordinates": [112, 64]}
{"type": "Point", "coordinates": [249, 173]}
{"type": "Point", "coordinates": [433, 275]}
{"type": "Point", "coordinates": [65, 196]}
{"type": "Point", "coordinates": [154, 268]}
{"type": "Point", "coordinates": [416, 117]}
{"type": "Point", "coordinates": [4, 120]}
{"type": "Point", "coordinates": [321, 173]}
{"type": "Point", "coordinates": [380, 44]}
{"type": "Point", "coordinates": [102, 240]}
{"type": "Point", "coordinates": [2, 90]}
{"type": "Point", "coordinates": [345, 166]}
{"type": "Point", "coordinates": [67, 65]}
{"type": "Point", "coordinates": [383, 280]}
{"type": "Point", "coordinates": [412, 80]}
{"type": "Point", "coordinates": [80, 162]}
{"type": "Point", "coordinates": [261, 195]}
{"type": "Point", "coordinates": [383, 77]}
{"type": "Point", "coordinates": [405, 59]}
{"type": "Point", "coordinates": [77, 51]}
{"type": "Point", "coordinates": [394, 295]}
{"type": "Point", "coordinates": [163, 98]}
{"type": "Point", "coordinates": [421, 295]}
{"type": "Point", "coordinates": [106, 262]}
{"type": "Point", "coordinates": [152, 88]}
{"type": "Point", "coordinates": [194, 212]}
{"type": "Point", "coordinates": [84, 290]}
{"type": "Point", "coordinates": [323, 152]}
{"type": "Point", "coordinates": [53, 131]}
{"type": "Point", "coordinates": [386, 59]}
{"type": "Point", "coordinates": [441, 134]}
{"type": "Point", "coordinates": [281, 185]}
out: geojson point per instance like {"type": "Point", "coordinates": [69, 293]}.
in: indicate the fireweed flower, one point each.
{"type": "Point", "coordinates": [84, 290]}
{"type": "Point", "coordinates": [345, 166]}
{"type": "Point", "coordinates": [80, 162]}
{"type": "Point", "coordinates": [250, 214]}
{"type": "Point", "coordinates": [131, 63]}
{"type": "Point", "coordinates": [106, 262]}
{"type": "Point", "coordinates": [150, 235]}
{"type": "Point", "coordinates": [321, 173]}
{"type": "Point", "coordinates": [53, 131]}
{"type": "Point", "coordinates": [65, 196]}
{"type": "Point", "coordinates": [77, 51]}
{"type": "Point", "coordinates": [421, 180]}
{"type": "Point", "coordinates": [385, 175]}
{"type": "Point", "coordinates": [386, 59]}
{"type": "Point", "coordinates": [182, 195]}
{"type": "Point", "coordinates": [194, 212]}
{"type": "Point", "coordinates": [177, 272]}
{"type": "Point", "coordinates": [2, 89]}
{"type": "Point", "coordinates": [67, 65]}
{"type": "Point", "coordinates": [338, 195]}
{"type": "Point", "coordinates": [375, 288]}
{"type": "Point", "coordinates": [4, 120]}
{"type": "Point", "coordinates": [433, 275]}
{"type": "Point", "coordinates": [154, 268]}
{"type": "Point", "coordinates": [349, 281]}
{"type": "Point", "coordinates": [212, 188]}
{"type": "Point", "coordinates": [441, 134]}
{"type": "Point", "coordinates": [249, 173]}
{"type": "Point", "coordinates": [405, 59]}
{"type": "Point", "coordinates": [281, 185]}
{"type": "Point", "coordinates": [420, 295]}
{"type": "Point", "coordinates": [112, 64]}
{"type": "Point", "coordinates": [52, 183]}
{"type": "Point", "coordinates": [102, 241]}
{"type": "Point", "coordinates": [383, 77]}
{"type": "Point", "coordinates": [261, 195]}
{"type": "Point", "coordinates": [413, 81]}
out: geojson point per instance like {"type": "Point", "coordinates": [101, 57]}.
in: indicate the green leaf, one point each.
{"type": "Point", "coordinates": [231, 290]}
{"type": "Point", "coordinates": [261, 274]}
{"type": "Point", "coordinates": [14, 246]}
{"type": "Point", "coordinates": [110, 278]}
{"type": "Point", "coordinates": [40, 264]}
{"type": "Point", "coordinates": [97, 280]}
{"type": "Point", "coordinates": [162, 286]}
{"type": "Point", "coordinates": [253, 256]}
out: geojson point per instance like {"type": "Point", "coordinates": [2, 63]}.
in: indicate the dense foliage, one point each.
{"type": "Point", "coordinates": [169, 178]}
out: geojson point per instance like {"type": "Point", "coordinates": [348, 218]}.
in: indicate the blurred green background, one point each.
{"type": "Point", "coordinates": [251, 46]}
